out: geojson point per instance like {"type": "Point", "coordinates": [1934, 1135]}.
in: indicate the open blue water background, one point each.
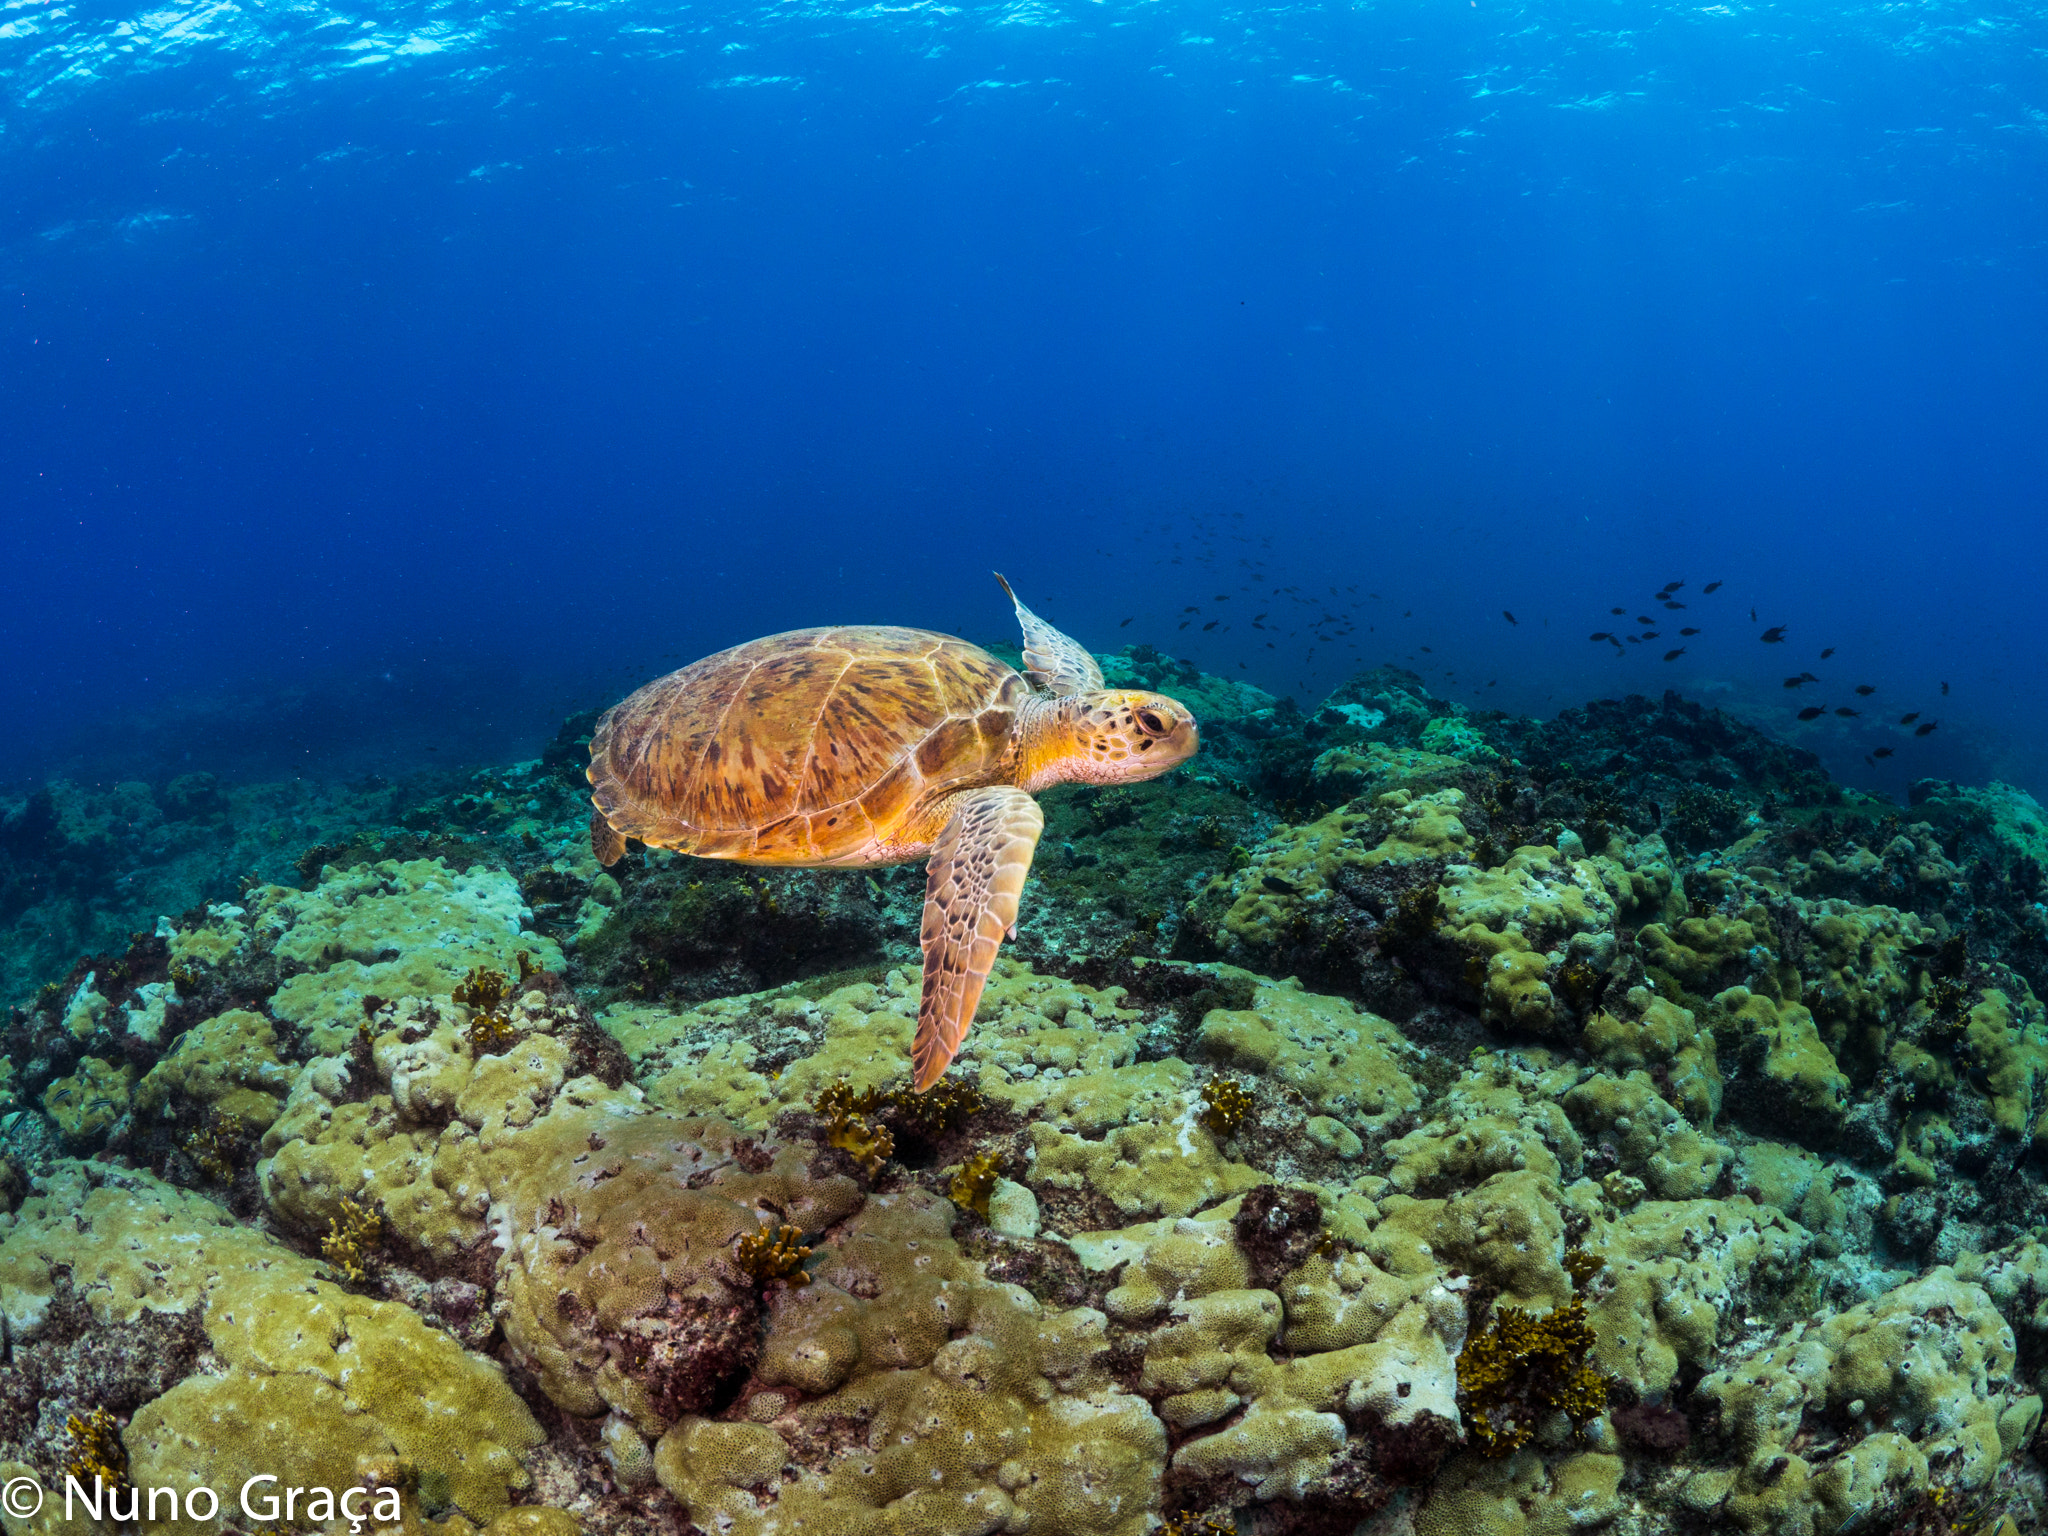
{"type": "Point", "coordinates": [388, 377]}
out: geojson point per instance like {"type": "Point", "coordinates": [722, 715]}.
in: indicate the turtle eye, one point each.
{"type": "Point", "coordinates": [1154, 723]}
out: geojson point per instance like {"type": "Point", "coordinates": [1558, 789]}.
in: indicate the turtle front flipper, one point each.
{"type": "Point", "coordinates": [1051, 660]}
{"type": "Point", "coordinates": [971, 888]}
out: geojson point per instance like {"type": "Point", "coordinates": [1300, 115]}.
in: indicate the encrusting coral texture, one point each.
{"type": "Point", "coordinates": [1396, 1128]}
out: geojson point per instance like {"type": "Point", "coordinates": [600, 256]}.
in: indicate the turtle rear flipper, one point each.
{"type": "Point", "coordinates": [606, 843]}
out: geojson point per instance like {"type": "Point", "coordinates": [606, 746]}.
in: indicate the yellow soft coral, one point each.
{"type": "Point", "coordinates": [483, 993]}
{"type": "Point", "coordinates": [774, 1255]}
{"type": "Point", "coordinates": [1520, 1367]}
{"type": "Point", "coordinates": [1581, 1265]}
{"type": "Point", "coordinates": [351, 1238]}
{"type": "Point", "coordinates": [96, 1450]}
{"type": "Point", "coordinates": [975, 1182]}
{"type": "Point", "coordinates": [848, 1128]}
{"type": "Point", "coordinates": [937, 1110]}
{"type": "Point", "coordinates": [213, 1149]}
{"type": "Point", "coordinates": [1226, 1103]}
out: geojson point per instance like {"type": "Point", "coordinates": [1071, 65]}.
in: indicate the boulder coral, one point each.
{"type": "Point", "coordinates": [1921, 1376]}
{"type": "Point", "coordinates": [388, 930]}
{"type": "Point", "coordinates": [297, 1378]}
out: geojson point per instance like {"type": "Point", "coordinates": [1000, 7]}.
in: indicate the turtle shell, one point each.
{"type": "Point", "coordinates": [806, 747]}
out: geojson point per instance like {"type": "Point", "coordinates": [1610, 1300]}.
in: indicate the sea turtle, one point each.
{"type": "Point", "coordinates": [869, 745]}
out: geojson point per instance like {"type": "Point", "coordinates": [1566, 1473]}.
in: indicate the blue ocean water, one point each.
{"type": "Point", "coordinates": [396, 378]}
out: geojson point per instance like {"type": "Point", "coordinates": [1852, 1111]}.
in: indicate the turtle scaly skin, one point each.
{"type": "Point", "coordinates": [867, 745]}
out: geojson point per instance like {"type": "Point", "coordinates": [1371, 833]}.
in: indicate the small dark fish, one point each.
{"type": "Point", "coordinates": [1813, 711]}
{"type": "Point", "coordinates": [1427, 651]}
{"type": "Point", "coordinates": [1688, 631]}
{"type": "Point", "coordinates": [1824, 655]}
{"type": "Point", "coordinates": [1798, 682]}
{"type": "Point", "coordinates": [1509, 617]}
{"type": "Point", "coordinates": [1774, 634]}
{"type": "Point", "coordinates": [1221, 597]}
{"type": "Point", "coordinates": [1126, 622]}
{"type": "Point", "coordinates": [1674, 655]}
{"type": "Point", "coordinates": [1192, 608]}
{"type": "Point", "coordinates": [1882, 752]}
{"type": "Point", "coordinates": [1909, 719]}
{"type": "Point", "coordinates": [1712, 586]}
{"type": "Point", "coordinates": [1672, 586]}
{"type": "Point", "coordinates": [1865, 689]}
{"type": "Point", "coordinates": [1617, 611]}
{"type": "Point", "coordinates": [1752, 615]}
{"type": "Point", "coordinates": [1674, 605]}
{"type": "Point", "coordinates": [1278, 886]}
{"type": "Point", "coordinates": [1184, 623]}
{"type": "Point", "coordinates": [1632, 640]}
{"type": "Point", "coordinates": [1599, 634]}
{"type": "Point", "coordinates": [1644, 618]}
{"type": "Point", "coordinates": [1847, 713]}
{"type": "Point", "coordinates": [1649, 634]}
{"type": "Point", "coordinates": [1210, 625]}
{"type": "Point", "coordinates": [1944, 689]}
{"type": "Point", "coordinates": [1922, 730]}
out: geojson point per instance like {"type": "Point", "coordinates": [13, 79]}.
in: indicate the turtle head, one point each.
{"type": "Point", "coordinates": [1116, 736]}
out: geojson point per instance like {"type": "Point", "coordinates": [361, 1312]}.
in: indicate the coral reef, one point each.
{"type": "Point", "coordinates": [1411, 1119]}
{"type": "Point", "coordinates": [231, 1356]}
{"type": "Point", "coordinates": [390, 930]}
{"type": "Point", "coordinates": [1920, 1377]}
